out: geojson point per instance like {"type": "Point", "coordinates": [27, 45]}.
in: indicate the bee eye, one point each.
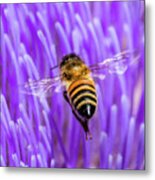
{"type": "Point", "coordinates": [64, 74]}
{"type": "Point", "coordinates": [67, 76]}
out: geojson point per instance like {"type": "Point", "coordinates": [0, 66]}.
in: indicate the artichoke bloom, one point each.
{"type": "Point", "coordinates": [43, 132]}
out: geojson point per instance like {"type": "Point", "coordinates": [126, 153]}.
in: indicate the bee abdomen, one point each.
{"type": "Point", "coordinates": [82, 95]}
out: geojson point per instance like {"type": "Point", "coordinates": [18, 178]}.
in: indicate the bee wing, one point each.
{"type": "Point", "coordinates": [118, 64]}
{"type": "Point", "coordinates": [43, 87]}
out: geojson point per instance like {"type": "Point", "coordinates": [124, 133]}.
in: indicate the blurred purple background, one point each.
{"type": "Point", "coordinates": [43, 132]}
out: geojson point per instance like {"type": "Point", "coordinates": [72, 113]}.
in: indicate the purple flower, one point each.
{"type": "Point", "coordinates": [44, 132]}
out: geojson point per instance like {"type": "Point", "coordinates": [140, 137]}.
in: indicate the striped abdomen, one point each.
{"type": "Point", "coordinates": [82, 94]}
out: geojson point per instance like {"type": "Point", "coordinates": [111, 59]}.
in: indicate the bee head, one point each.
{"type": "Point", "coordinates": [72, 67]}
{"type": "Point", "coordinates": [68, 58]}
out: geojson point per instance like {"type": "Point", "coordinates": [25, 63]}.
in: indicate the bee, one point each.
{"type": "Point", "coordinates": [78, 82]}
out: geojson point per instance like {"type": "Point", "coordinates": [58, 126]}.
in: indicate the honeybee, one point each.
{"type": "Point", "coordinates": [78, 82]}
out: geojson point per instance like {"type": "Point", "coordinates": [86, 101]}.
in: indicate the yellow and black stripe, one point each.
{"type": "Point", "coordinates": [82, 94]}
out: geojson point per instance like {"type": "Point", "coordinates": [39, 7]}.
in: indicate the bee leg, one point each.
{"type": "Point", "coordinates": [66, 97]}
{"type": "Point", "coordinates": [84, 123]}
{"type": "Point", "coordinates": [86, 129]}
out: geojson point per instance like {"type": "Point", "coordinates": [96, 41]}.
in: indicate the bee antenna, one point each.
{"type": "Point", "coordinates": [54, 67]}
